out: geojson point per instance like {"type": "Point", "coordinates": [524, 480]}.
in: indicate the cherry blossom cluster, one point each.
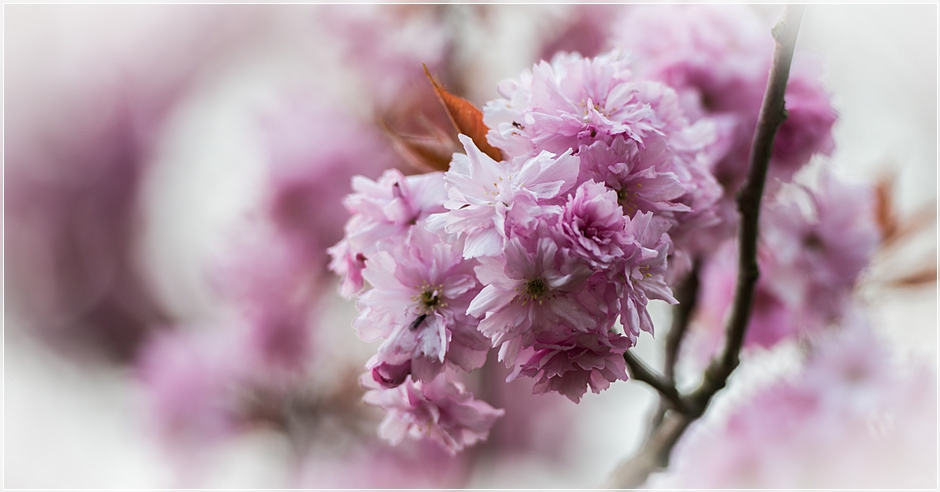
{"type": "Point", "coordinates": [606, 184]}
{"type": "Point", "coordinates": [537, 254]}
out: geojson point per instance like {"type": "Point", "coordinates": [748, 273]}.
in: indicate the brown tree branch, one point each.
{"type": "Point", "coordinates": [772, 115]}
{"type": "Point", "coordinates": [687, 295]}
{"type": "Point", "coordinates": [666, 390]}
{"type": "Point", "coordinates": [654, 453]}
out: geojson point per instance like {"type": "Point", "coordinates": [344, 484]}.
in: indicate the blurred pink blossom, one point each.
{"type": "Point", "coordinates": [85, 111]}
{"type": "Point", "coordinates": [717, 59]}
{"type": "Point", "coordinates": [810, 257]}
{"type": "Point", "coordinates": [852, 417]}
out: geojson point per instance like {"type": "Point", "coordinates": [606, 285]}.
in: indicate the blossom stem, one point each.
{"type": "Point", "coordinates": [687, 295]}
{"type": "Point", "coordinates": [772, 115]}
{"type": "Point", "coordinates": [654, 452]}
{"type": "Point", "coordinates": [667, 390]}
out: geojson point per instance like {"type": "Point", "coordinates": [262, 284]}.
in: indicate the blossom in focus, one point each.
{"type": "Point", "coordinates": [532, 289]}
{"type": "Point", "coordinates": [441, 410]}
{"type": "Point", "coordinates": [418, 303]}
{"type": "Point", "coordinates": [488, 200]}
{"type": "Point", "coordinates": [594, 225]}
{"type": "Point", "coordinates": [570, 364]}
{"type": "Point", "coordinates": [641, 175]}
{"type": "Point", "coordinates": [645, 272]}
{"type": "Point", "coordinates": [383, 212]}
{"type": "Point", "coordinates": [561, 245]}
{"type": "Point", "coordinates": [630, 133]}
{"type": "Point", "coordinates": [576, 101]}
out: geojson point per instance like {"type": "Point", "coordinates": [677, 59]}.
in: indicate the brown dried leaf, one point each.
{"type": "Point", "coordinates": [922, 277]}
{"type": "Point", "coordinates": [885, 215]}
{"type": "Point", "coordinates": [918, 221]}
{"type": "Point", "coordinates": [426, 153]}
{"type": "Point", "coordinates": [466, 118]}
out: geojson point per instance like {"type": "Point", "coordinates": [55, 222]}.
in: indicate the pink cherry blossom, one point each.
{"type": "Point", "coordinates": [383, 212]}
{"type": "Point", "coordinates": [821, 255]}
{"type": "Point", "coordinates": [850, 417]}
{"type": "Point", "coordinates": [593, 224]}
{"type": "Point", "coordinates": [532, 289]}
{"type": "Point", "coordinates": [717, 59]}
{"type": "Point", "coordinates": [570, 364]}
{"type": "Point", "coordinates": [815, 244]}
{"type": "Point", "coordinates": [420, 293]}
{"type": "Point", "coordinates": [486, 198]}
{"type": "Point", "coordinates": [644, 274]}
{"type": "Point", "coordinates": [642, 176]}
{"type": "Point", "coordinates": [808, 128]}
{"type": "Point", "coordinates": [440, 409]}
{"type": "Point", "coordinates": [576, 101]}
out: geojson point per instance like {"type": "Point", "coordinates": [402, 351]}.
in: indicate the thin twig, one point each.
{"type": "Point", "coordinates": [772, 115]}
{"type": "Point", "coordinates": [654, 453]}
{"type": "Point", "coordinates": [687, 295]}
{"type": "Point", "coordinates": [640, 372]}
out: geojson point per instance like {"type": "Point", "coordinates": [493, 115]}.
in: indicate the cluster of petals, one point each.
{"type": "Point", "coordinates": [440, 409]}
{"type": "Point", "coordinates": [567, 234]}
{"type": "Point", "coordinates": [630, 133]}
{"type": "Point", "coordinates": [570, 244]}
{"type": "Point", "coordinates": [487, 200]}
{"type": "Point", "coordinates": [536, 248]}
{"type": "Point", "coordinates": [717, 59]}
{"type": "Point", "coordinates": [576, 101]}
{"type": "Point", "coordinates": [569, 364]}
{"type": "Point", "coordinates": [421, 290]}
{"type": "Point", "coordinates": [383, 213]}
{"type": "Point", "coordinates": [598, 203]}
